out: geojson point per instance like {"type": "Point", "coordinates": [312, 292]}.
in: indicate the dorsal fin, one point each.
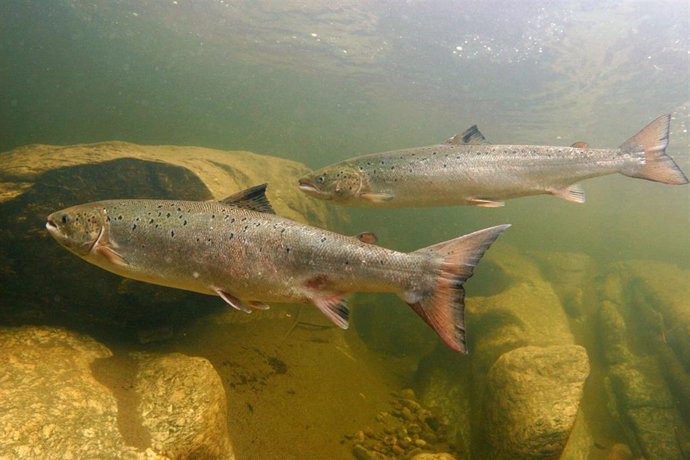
{"type": "Point", "coordinates": [471, 136]}
{"type": "Point", "coordinates": [580, 145]}
{"type": "Point", "coordinates": [253, 198]}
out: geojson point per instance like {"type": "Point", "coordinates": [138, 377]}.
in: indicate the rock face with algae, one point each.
{"type": "Point", "coordinates": [54, 403]}
{"type": "Point", "coordinates": [38, 179]}
{"type": "Point", "coordinates": [518, 393]}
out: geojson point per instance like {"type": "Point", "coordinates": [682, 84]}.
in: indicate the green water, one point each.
{"type": "Point", "coordinates": [317, 82]}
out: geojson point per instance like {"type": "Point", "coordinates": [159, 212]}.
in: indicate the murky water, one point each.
{"type": "Point", "coordinates": [317, 82]}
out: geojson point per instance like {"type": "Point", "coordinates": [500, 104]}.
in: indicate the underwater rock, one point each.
{"type": "Point", "coordinates": [525, 312]}
{"type": "Point", "coordinates": [38, 179]}
{"type": "Point", "coordinates": [428, 456]}
{"type": "Point", "coordinates": [183, 406]}
{"type": "Point", "coordinates": [54, 404]}
{"type": "Point", "coordinates": [532, 400]}
{"type": "Point", "coordinates": [569, 273]}
{"type": "Point", "coordinates": [405, 431]}
{"type": "Point", "coordinates": [645, 329]}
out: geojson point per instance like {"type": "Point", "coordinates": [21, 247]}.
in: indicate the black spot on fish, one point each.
{"type": "Point", "coordinates": [179, 209]}
{"type": "Point", "coordinates": [243, 219]}
{"type": "Point", "coordinates": [184, 223]}
{"type": "Point", "coordinates": [213, 216]}
{"type": "Point", "coordinates": [150, 221]}
{"type": "Point", "coordinates": [323, 239]}
{"type": "Point", "coordinates": [118, 218]}
{"type": "Point", "coordinates": [347, 262]}
{"type": "Point", "coordinates": [383, 162]}
{"type": "Point", "coordinates": [433, 153]}
{"type": "Point", "coordinates": [232, 220]}
{"type": "Point", "coordinates": [167, 215]}
{"type": "Point", "coordinates": [134, 227]}
{"type": "Point", "coordinates": [445, 166]}
{"type": "Point", "coordinates": [392, 168]}
{"type": "Point", "coordinates": [246, 227]}
{"type": "Point", "coordinates": [288, 250]}
{"type": "Point", "coordinates": [231, 236]}
{"type": "Point", "coordinates": [159, 206]}
{"type": "Point", "coordinates": [107, 218]}
{"type": "Point", "coordinates": [282, 231]}
{"type": "Point", "coordinates": [368, 163]}
{"type": "Point", "coordinates": [172, 233]}
{"type": "Point", "coordinates": [156, 225]}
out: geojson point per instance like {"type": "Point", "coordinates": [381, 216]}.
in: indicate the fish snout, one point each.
{"type": "Point", "coordinates": [307, 186]}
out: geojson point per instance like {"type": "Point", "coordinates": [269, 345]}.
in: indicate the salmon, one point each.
{"type": "Point", "coordinates": [467, 170]}
{"type": "Point", "coordinates": [240, 250]}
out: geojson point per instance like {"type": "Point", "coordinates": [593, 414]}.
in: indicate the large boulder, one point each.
{"type": "Point", "coordinates": [532, 401]}
{"type": "Point", "coordinates": [521, 312]}
{"type": "Point", "coordinates": [62, 397]}
{"type": "Point", "coordinates": [39, 179]}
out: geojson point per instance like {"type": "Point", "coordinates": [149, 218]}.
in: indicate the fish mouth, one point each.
{"type": "Point", "coordinates": [307, 186]}
{"type": "Point", "coordinates": [50, 226]}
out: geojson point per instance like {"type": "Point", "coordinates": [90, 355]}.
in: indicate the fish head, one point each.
{"type": "Point", "coordinates": [78, 228]}
{"type": "Point", "coordinates": [340, 182]}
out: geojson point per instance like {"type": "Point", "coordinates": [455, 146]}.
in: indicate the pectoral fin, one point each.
{"type": "Point", "coordinates": [377, 197]}
{"type": "Point", "coordinates": [573, 193]}
{"type": "Point", "coordinates": [335, 308]}
{"type": "Point", "coordinates": [231, 300]}
{"type": "Point", "coordinates": [484, 203]}
{"type": "Point", "coordinates": [112, 255]}
{"type": "Point", "coordinates": [580, 145]}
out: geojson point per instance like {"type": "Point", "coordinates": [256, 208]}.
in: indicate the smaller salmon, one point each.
{"type": "Point", "coordinates": [239, 250]}
{"type": "Point", "coordinates": [467, 170]}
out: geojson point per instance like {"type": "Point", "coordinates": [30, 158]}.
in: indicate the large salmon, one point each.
{"type": "Point", "coordinates": [467, 170]}
{"type": "Point", "coordinates": [241, 251]}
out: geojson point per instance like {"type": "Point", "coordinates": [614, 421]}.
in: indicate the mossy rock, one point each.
{"type": "Point", "coordinates": [44, 284]}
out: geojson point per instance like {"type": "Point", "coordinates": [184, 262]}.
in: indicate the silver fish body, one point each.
{"type": "Point", "coordinates": [464, 171]}
{"type": "Point", "coordinates": [249, 258]}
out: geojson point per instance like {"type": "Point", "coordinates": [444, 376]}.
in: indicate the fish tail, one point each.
{"type": "Point", "coordinates": [650, 146]}
{"type": "Point", "coordinates": [443, 306]}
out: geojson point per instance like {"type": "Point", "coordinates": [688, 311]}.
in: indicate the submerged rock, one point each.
{"type": "Point", "coordinates": [38, 179]}
{"type": "Point", "coordinates": [58, 401]}
{"type": "Point", "coordinates": [644, 326]}
{"type": "Point", "coordinates": [533, 398]}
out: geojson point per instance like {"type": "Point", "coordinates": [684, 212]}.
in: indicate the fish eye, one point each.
{"type": "Point", "coordinates": [320, 179]}
{"type": "Point", "coordinates": [64, 218]}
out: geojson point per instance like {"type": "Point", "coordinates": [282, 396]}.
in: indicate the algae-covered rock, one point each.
{"type": "Point", "coordinates": [525, 312]}
{"type": "Point", "coordinates": [51, 406]}
{"type": "Point", "coordinates": [533, 398]}
{"type": "Point", "coordinates": [570, 274]}
{"type": "Point", "coordinates": [183, 406]}
{"type": "Point", "coordinates": [644, 325]}
{"type": "Point", "coordinates": [44, 284]}
{"type": "Point", "coordinates": [57, 401]}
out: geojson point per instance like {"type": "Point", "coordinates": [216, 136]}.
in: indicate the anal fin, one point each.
{"type": "Point", "coordinates": [335, 308]}
{"type": "Point", "coordinates": [574, 193]}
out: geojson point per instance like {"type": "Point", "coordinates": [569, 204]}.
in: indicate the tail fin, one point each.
{"type": "Point", "coordinates": [657, 166]}
{"type": "Point", "coordinates": [443, 307]}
